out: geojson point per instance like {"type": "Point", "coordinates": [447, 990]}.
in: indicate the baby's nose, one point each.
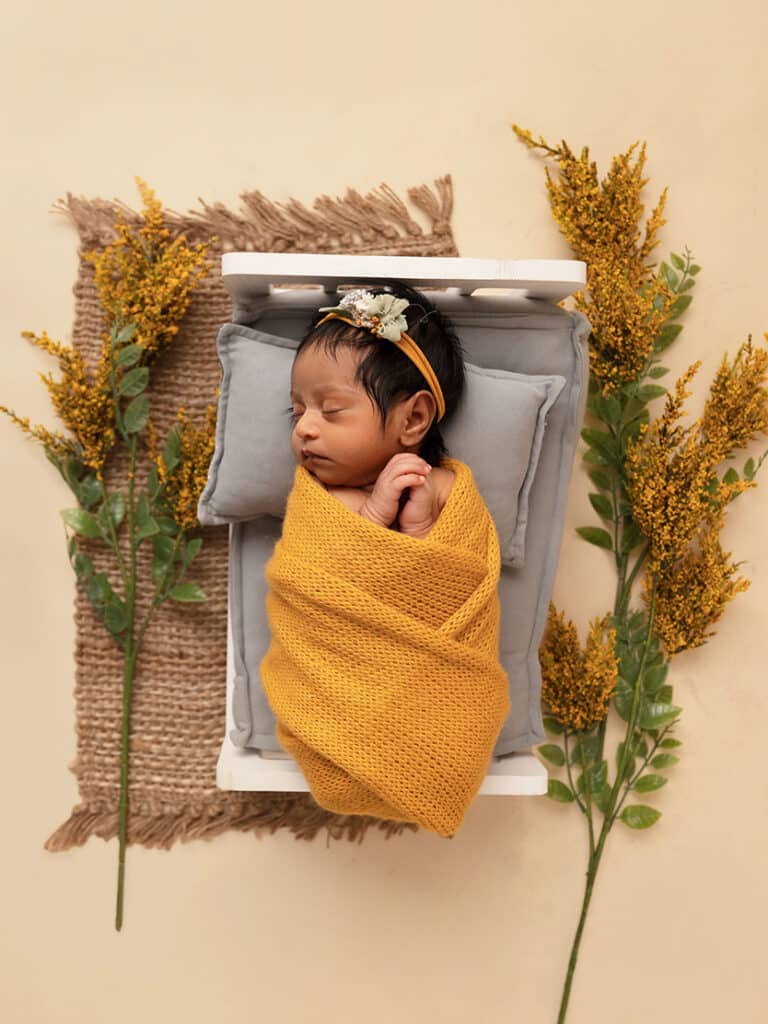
{"type": "Point", "coordinates": [306, 426]}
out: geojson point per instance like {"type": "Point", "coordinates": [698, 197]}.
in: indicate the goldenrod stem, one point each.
{"type": "Point", "coordinates": [131, 652]}
{"type": "Point", "coordinates": [594, 862]}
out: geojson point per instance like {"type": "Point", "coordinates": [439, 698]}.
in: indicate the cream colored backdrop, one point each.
{"type": "Point", "coordinates": [207, 100]}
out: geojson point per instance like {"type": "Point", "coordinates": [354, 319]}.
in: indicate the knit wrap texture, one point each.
{"type": "Point", "coordinates": [383, 670]}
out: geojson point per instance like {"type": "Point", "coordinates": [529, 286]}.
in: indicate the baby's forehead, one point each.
{"type": "Point", "coordinates": [317, 370]}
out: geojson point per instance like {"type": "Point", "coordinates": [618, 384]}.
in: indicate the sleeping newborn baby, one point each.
{"type": "Point", "coordinates": [366, 403]}
{"type": "Point", "coordinates": [383, 670]}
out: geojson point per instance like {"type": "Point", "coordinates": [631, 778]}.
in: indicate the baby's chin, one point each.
{"type": "Point", "coordinates": [332, 474]}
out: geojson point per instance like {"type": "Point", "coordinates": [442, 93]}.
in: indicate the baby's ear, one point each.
{"type": "Point", "coordinates": [420, 409]}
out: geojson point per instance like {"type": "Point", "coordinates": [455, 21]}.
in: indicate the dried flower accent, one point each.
{"type": "Point", "coordinates": [83, 401]}
{"type": "Point", "coordinates": [692, 593]}
{"type": "Point", "coordinates": [577, 685]}
{"type": "Point", "coordinates": [182, 466]}
{"type": "Point", "coordinates": [144, 278]}
{"type": "Point", "coordinates": [670, 466]}
{"type": "Point", "coordinates": [628, 304]}
{"type": "Point", "coordinates": [382, 314]}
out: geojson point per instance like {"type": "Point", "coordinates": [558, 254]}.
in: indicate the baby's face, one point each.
{"type": "Point", "coordinates": [337, 433]}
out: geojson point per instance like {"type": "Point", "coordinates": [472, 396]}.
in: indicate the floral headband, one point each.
{"type": "Point", "coordinates": [382, 314]}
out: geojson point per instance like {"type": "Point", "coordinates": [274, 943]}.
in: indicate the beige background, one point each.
{"type": "Point", "coordinates": [208, 100]}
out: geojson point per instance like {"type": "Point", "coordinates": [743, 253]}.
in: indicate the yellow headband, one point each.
{"type": "Point", "coordinates": [408, 347]}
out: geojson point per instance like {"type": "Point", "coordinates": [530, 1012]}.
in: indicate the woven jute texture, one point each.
{"type": "Point", "coordinates": [179, 698]}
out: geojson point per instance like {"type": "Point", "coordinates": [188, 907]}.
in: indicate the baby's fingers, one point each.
{"type": "Point", "coordinates": [404, 480]}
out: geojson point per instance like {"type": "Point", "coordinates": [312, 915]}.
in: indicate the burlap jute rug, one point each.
{"type": "Point", "coordinates": [178, 715]}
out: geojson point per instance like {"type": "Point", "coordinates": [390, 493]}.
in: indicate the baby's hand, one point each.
{"type": "Point", "coordinates": [403, 470]}
{"type": "Point", "coordinates": [418, 514]}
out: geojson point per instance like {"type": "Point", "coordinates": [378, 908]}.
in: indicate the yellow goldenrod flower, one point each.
{"type": "Point", "coordinates": [670, 467]}
{"type": "Point", "coordinates": [577, 685]}
{"type": "Point", "coordinates": [145, 278]}
{"type": "Point", "coordinates": [83, 401]}
{"type": "Point", "coordinates": [626, 302]}
{"type": "Point", "coordinates": [185, 481]}
{"type": "Point", "coordinates": [691, 593]}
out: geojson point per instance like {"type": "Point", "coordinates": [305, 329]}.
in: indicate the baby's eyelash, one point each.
{"type": "Point", "coordinates": [295, 415]}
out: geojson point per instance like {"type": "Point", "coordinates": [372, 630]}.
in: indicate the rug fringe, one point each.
{"type": "Point", "coordinates": [266, 225]}
{"type": "Point", "coordinates": [162, 831]}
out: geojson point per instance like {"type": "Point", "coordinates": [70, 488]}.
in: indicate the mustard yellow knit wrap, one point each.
{"type": "Point", "coordinates": [383, 668]}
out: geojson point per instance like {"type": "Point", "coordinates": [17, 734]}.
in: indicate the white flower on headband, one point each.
{"type": "Point", "coordinates": [381, 314]}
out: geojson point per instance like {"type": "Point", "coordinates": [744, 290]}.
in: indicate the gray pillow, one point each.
{"type": "Point", "coordinates": [497, 430]}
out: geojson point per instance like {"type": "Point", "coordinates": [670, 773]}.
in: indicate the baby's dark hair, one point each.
{"type": "Point", "coordinates": [386, 373]}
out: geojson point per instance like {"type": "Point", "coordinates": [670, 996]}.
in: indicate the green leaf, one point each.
{"type": "Point", "coordinates": [112, 510]}
{"type": "Point", "coordinates": [162, 551]}
{"type": "Point", "coordinates": [669, 275]}
{"type": "Point", "coordinates": [188, 592]}
{"type": "Point", "coordinates": [622, 698]}
{"type": "Point", "coordinates": [640, 746]}
{"type": "Point", "coordinates": [647, 783]}
{"type": "Point", "coordinates": [83, 565]}
{"type": "Point", "coordinates": [90, 491]}
{"type": "Point", "coordinates": [134, 382]}
{"type": "Point", "coordinates": [658, 371]}
{"type": "Point", "coordinates": [590, 455]}
{"type": "Point", "coordinates": [650, 391]}
{"type": "Point", "coordinates": [601, 441]}
{"type": "Point", "coordinates": [163, 547]}
{"type": "Point", "coordinates": [681, 303]}
{"type": "Point", "coordinates": [669, 744]}
{"type": "Point", "coordinates": [70, 468]}
{"type": "Point", "coordinates": [81, 522]}
{"type": "Point", "coordinates": [600, 479]}
{"type": "Point", "coordinates": [191, 550]}
{"type": "Point", "coordinates": [601, 505]}
{"type": "Point", "coordinates": [749, 469]}
{"type": "Point", "coordinates": [172, 449]}
{"type": "Point", "coordinates": [629, 667]}
{"type": "Point", "coordinates": [731, 476]}
{"type": "Point", "coordinates": [664, 695]}
{"type": "Point", "coordinates": [654, 677]}
{"type": "Point", "coordinates": [147, 529]}
{"type": "Point", "coordinates": [168, 526]}
{"type": "Point", "coordinates": [153, 482]}
{"type": "Point", "coordinates": [585, 750]}
{"type": "Point", "coordinates": [142, 508]}
{"type": "Point", "coordinates": [130, 355]}
{"type": "Point", "coordinates": [636, 619]}
{"type": "Point", "coordinates": [557, 790]}
{"type": "Point", "coordinates": [612, 410]}
{"type": "Point", "coordinates": [551, 752]}
{"type": "Point", "coordinates": [99, 590]}
{"type": "Point", "coordinates": [136, 414]}
{"type": "Point", "coordinates": [126, 333]}
{"type": "Point", "coordinates": [596, 535]}
{"type": "Point", "coordinates": [629, 767]}
{"type": "Point", "coordinates": [678, 261]}
{"type": "Point", "coordinates": [694, 269]}
{"type": "Point", "coordinates": [664, 760]}
{"type": "Point", "coordinates": [116, 617]}
{"type": "Point", "coordinates": [602, 798]}
{"type": "Point", "coordinates": [639, 816]}
{"type": "Point", "coordinates": [656, 715]}
{"type": "Point", "coordinates": [552, 725]}
{"type": "Point", "coordinates": [596, 774]}
{"type": "Point", "coordinates": [666, 336]}
{"type": "Point", "coordinates": [631, 536]}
